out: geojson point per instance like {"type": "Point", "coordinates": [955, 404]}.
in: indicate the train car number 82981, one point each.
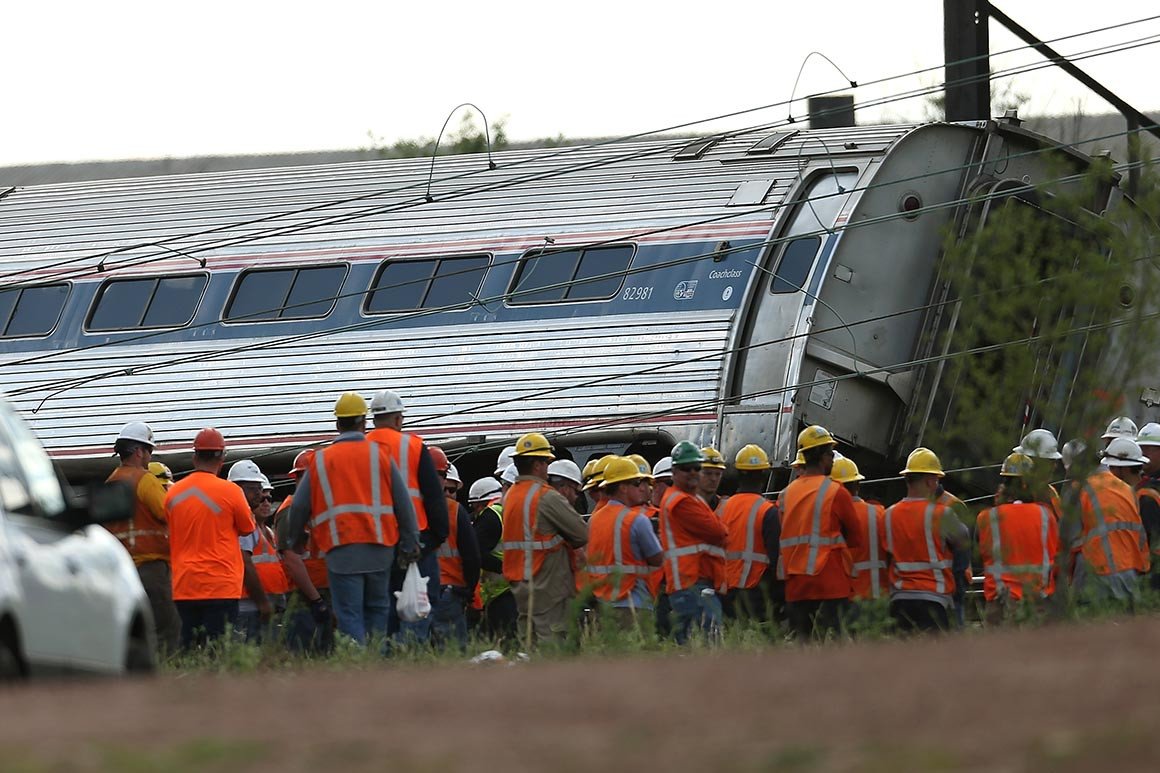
{"type": "Point", "coordinates": [637, 293]}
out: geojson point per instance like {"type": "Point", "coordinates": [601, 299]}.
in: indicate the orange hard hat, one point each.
{"type": "Point", "coordinates": [302, 461]}
{"type": "Point", "coordinates": [441, 462]}
{"type": "Point", "coordinates": [209, 439]}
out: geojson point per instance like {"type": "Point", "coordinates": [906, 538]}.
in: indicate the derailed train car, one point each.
{"type": "Point", "coordinates": [727, 290]}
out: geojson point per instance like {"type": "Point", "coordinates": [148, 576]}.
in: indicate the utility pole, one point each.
{"type": "Point", "coordinates": [967, 50]}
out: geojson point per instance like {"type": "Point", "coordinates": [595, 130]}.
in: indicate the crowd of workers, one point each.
{"type": "Point", "coordinates": [659, 551]}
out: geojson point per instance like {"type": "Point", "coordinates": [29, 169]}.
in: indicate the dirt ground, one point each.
{"type": "Point", "coordinates": [1075, 697]}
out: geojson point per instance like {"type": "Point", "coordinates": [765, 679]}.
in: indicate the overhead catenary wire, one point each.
{"type": "Point", "coordinates": [422, 200]}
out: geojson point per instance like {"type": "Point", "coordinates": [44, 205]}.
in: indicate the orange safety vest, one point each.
{"type": "Point", "coordinates": [1018, 542]}
{"type": "Point", "coordinates": [450, 560]}
{"type": "Point", "coordinates": [269, 565]}
{"type": "Point", "coordinates": [1113, 538]}
{"type": "Point", "coordinates": [405, 450]}
{"type": "Point", "coordinates": [525, 548]}
{"type": "Point", "coordinates": [312, 557]}
{"type": "Point", "coordinates": [869, 569]}
{"type": "Point", "coordinates": [145, 534]}
{"type": "Point", "coordinates": [1147, 492]}
{"type": "Point", "coordinates": [919, 557]}
{"type": "Point", "coordinates": [350, 496]}
{"type": "Point", "coordinates": [746, 559]}
{"type": "Point", "coordinates": [612, 568]}
{"type": "Point", "coordinates": [809, 529]}
{"type": "Point", "coordinates": [687, 560]}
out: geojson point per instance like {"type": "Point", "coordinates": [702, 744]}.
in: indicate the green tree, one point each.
{"type": "Point", "coordinates": [467, 137]}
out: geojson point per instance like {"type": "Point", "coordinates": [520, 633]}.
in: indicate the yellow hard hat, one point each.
{"type": "Point", "coordinates": [641, 464]}
{"type": "Point", "coordinates": [597, 476]}
{"type": "Point", "coordinates": [845, 471]}
{"type": "Point", "coordinates": [1016, 466]}
{"type": "Point", "coordinates": [751, 458]}
{"type": "Point", "coordinates": [161, 471]}
{"type": "Point", "coordinates": [799, 460]}
{"type": "Point", "coordinates": [713, 458]}
{"type": "Point", "coordinates": [622, 468]}
{"type": "Point", "coordinates": [923, 461]}
{"type": "Point", "coordinates": [534, 444]}
{"type": "Point", "coordinates": [349, 405]}
{"type": "Point", "coordinates": [812, 437]}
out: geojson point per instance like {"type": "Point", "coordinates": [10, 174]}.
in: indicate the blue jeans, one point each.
{"type": "Point", "coordinates": [361, 602]}
{"type": "Point", "coordinates": [303, 634]}
{"type": "Point", "coordinates": [692, 606]}
{"type": "Point", "coordinates": [420, 630]}
{"type": "Point", "coordinates": [449, 618]}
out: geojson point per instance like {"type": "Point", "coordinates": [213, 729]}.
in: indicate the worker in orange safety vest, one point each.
{"type": "Point", "coordinates": [146, 535]}
{"type": "Point", "coordinates": [751, 551]}
{"type": "Point", "coordinates": [869, 564]}
{"type": "Point", "coordinates": [358, 507]}
{"type": "Point", "coordinates": [1018, 542]}
{"type": "Point", "coordinates": [1111, 551]}
{"type": "Point", "coordinates": [819, 527]}
{"type": "Point", "coordinates": [921, 537]}
{"type": "Point", "coordinates": [309, 621]}
{"type": "Point", "coordinates": [538, 524]}
{"type": "Point", "coordinates": [623, 550]}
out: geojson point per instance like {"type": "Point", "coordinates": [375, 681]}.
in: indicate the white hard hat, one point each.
{"type": "Point", "coordinates": [509, 474]}
{"type": "Point", "coordinates": [505, 458]}
{"type": "Point", "coordinates": [838, 456]}
{"type": "Point", "coordinates": [386, 401]}
{"type": "Point", "coordinates": [663, 468]}
{"type": "Point", "coordinates": [1149, 435]}
{"type": "Point", "coordinates": [246, 471]}
{"type": "Point", "coordinates": [564, 468]}
{"type": "Point", "coordinates": [266, 484]}
{"type": "Point", "coordinates": [1071, 450]}
{"type": "Point", "coordinates": [483, 490]}
{"type": "Point", "coordinates": [453, 474]}
{"type": "Point", "coordinates": [1120, 427]}
{"type": "Point", "coordinates": [1039, 444]}
{"type": "Point", "coordinates": [1123, 452]}
{"type": "Point", "coordinates": [138, 431]}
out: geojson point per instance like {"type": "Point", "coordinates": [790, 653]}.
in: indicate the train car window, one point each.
{"type": "Point", "coordinates": [405, 285]}
{"type": "Point", "coordinates": [286, 293]}
{"type": "Point", "coordinates": [793, 269]}
{"type": "Point", "coordinates": [31, 311]}
{"type": "Point", "coordinates": [568, 275]}
{"type": "Point", "coordinates": [456, 282]}
{"type": "Point", "coordinates": [153, 302]}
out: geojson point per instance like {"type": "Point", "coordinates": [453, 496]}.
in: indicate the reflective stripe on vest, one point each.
{"type": "Point", "coordinates": [814, 539]}
{"type": "Point", "coordinates": [1103, 529]}
{"type": "Point", "coordinates": [375, 509]}
{"type": "Point", "coordinates": [874, 564]}
{"type": "Point", "coordinates": [932, 565]}
{"type": "Point", "coordinates": [747, 556]}
{"type": "Point", "coordinates": [130, 535]}
{"type": "Point", "coordinates": [674, 554]}
{"type": "Point", "coordinates": [196, 493]}
{"type": "Point", "coordinates": [528, 545]}
{"type": "Point", "coordinates": [618, 566]}
{"type": "Point", "coordinates": [998, 568]}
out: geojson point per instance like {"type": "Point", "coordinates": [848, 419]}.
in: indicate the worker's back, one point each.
{"type": "Point", "coordinates": [206, 516]}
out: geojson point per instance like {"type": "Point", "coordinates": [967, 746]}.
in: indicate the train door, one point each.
{"type": "Point", "coordinates": [764, 378]}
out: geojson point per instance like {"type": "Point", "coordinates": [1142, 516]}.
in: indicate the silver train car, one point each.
{"type": "Point", "coordinates": [727, 290]}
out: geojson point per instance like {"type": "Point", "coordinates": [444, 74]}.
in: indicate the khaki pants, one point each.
{"type": "Point", "coordinates": [549, 622]}
{"type": "Point", "coordinates": [158, 582]}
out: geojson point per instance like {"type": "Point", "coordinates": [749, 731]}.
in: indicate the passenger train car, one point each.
{"type": "Point", "coordinates": [728, 290]}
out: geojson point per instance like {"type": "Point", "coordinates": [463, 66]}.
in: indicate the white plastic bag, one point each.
{"type": "Point", "coordinates": [413, 604]}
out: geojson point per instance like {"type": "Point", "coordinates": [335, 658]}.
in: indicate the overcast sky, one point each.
{"type": "Point", "coordinates": [119, 79]}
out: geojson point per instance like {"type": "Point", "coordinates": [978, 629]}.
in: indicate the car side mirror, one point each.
{"type": "Point", "coordinates": [109, 502]}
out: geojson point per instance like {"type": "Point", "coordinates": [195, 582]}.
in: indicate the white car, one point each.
{"type": "Point", "coordinates": [70, 597]}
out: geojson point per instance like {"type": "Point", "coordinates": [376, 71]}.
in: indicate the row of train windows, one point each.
{"type": "Point", "coordinates": [311, 292]}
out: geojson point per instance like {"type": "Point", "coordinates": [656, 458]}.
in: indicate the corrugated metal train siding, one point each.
{"type": "Point", "coordinates": [448, 379]}
{"type": "Point", "coordinates": [636, 183]}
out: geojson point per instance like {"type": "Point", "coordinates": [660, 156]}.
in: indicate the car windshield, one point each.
{"type": "Point", "coordinates": [21, 450]}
